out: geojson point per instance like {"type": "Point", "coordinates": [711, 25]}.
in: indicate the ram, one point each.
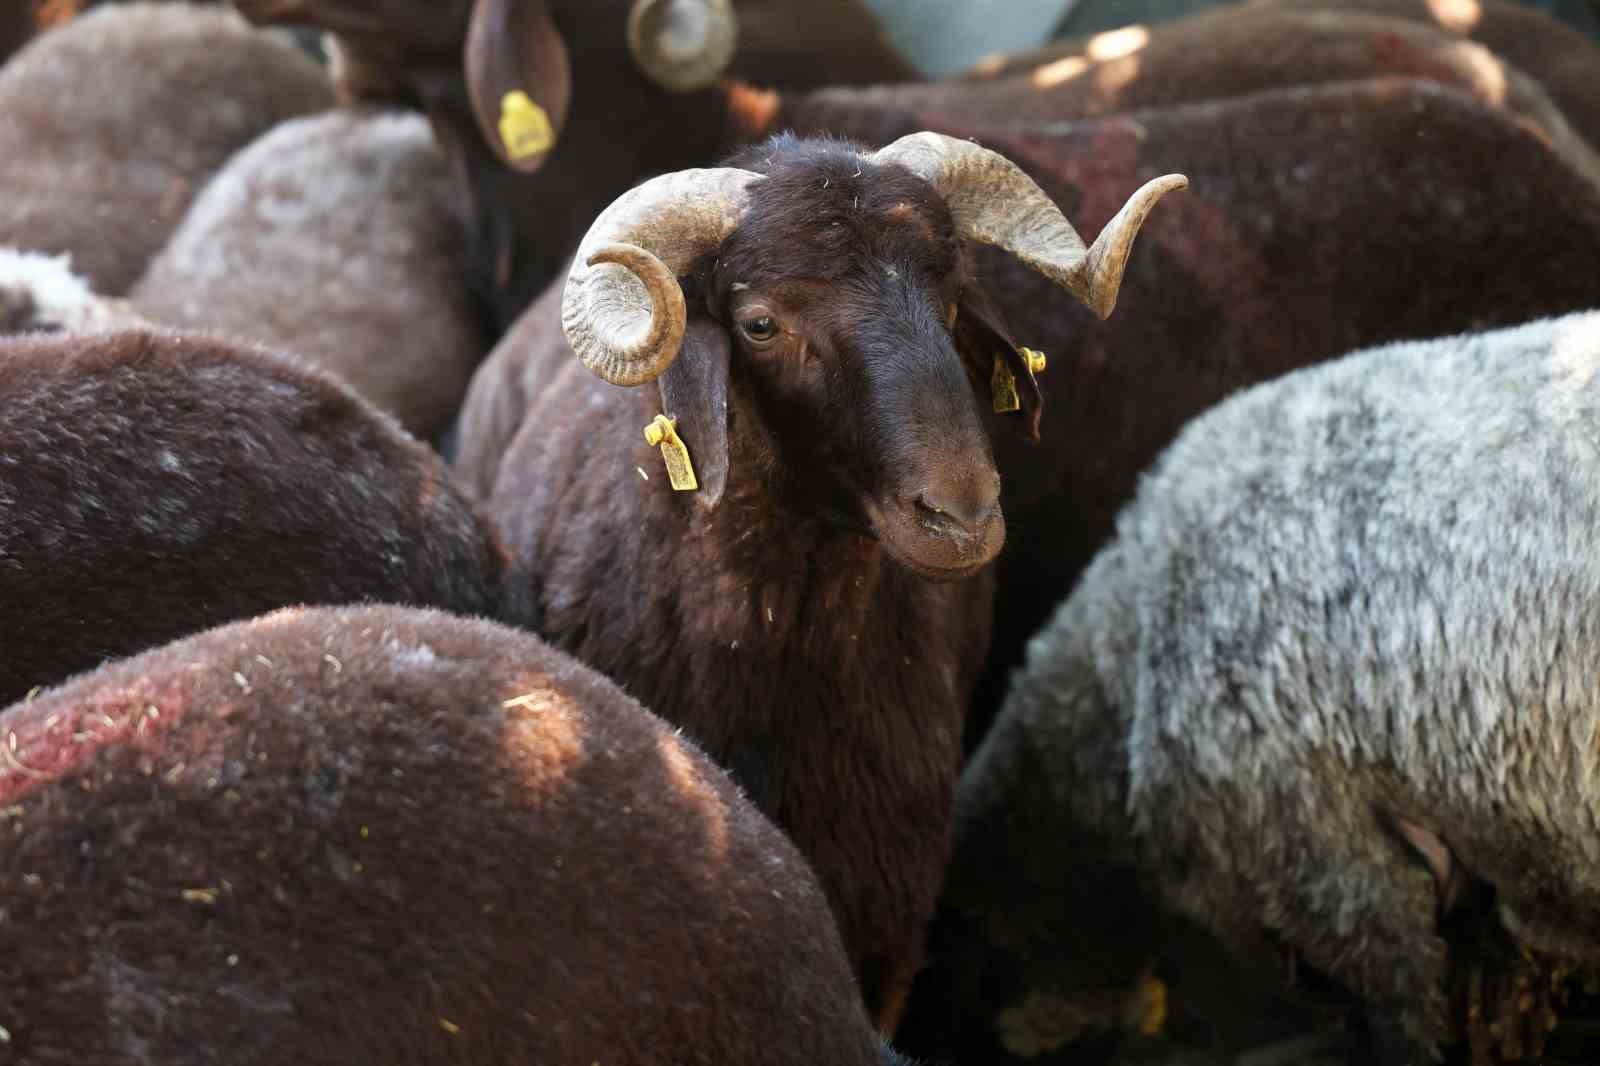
{"type": "Point", "coordinates": [813, 613]}
{"type": "Point", "coordinates": [113, 122]}
{"type": "Point", "coordinates": [334, 237]}
{"type": "Point", "coordinates": [1332, 688]}
{"type": "Point", "coordinates": [552, 108]}
{"type": "Point", "coordinates": [382, 834]}
{"type": "Point", "coordinates": [155, 484]}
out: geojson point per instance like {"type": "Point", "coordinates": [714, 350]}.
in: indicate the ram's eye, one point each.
{"type": "Point", "coordinates": [761, 329]}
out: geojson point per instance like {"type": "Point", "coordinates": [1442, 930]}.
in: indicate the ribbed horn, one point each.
{"type": "Point", "coordinates": [682, 45]}
{"type": "Point", "coordinates": [622, 309]}
{"type": "Point", "coordinates": [995, 202]}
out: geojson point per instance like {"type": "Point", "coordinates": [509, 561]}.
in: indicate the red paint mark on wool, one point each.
{"type": "Point", "coordinates": [47, 739]}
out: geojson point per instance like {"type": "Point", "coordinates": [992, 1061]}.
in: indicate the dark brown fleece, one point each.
{"type": "Point", "coordinates": [1230, 52]}
{"type": "Point", "coordinates": [782, 628]}
{"type": "Point", "coordinates": [156, 484]}
{"type": "Point", "coordinates": [110, 125]}
{"type": "Point", "coordinates": [383, 835]}
{"type": "Point", "coordinates": [1560, 57]}
{"type": "Point", "coordinates": [1222, 46]}
{"type": "Point", "coordinates": [17, 26]}
{"type": "Point", "coordinates": [621, 128]}
{"type": "Point", "coordinates": [503, 389]}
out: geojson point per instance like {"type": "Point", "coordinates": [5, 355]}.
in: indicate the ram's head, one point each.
{"type": "Point", "coordinates": [834, 336]}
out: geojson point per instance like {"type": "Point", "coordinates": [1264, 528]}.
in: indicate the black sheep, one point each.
{"type": "Point", "coordinates": [156, 484]}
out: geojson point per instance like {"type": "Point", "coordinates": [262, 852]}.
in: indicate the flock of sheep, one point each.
{"type": "Point", "coordinates": [637, 531]}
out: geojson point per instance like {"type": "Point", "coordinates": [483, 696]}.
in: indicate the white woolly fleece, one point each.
{"type": "Point", "coordinates": [61, 299]}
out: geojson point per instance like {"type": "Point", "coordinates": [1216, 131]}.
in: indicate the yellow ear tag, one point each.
{"type": "Point", "coordinates": [524, 126]}
{"type": "Point", "coordinates": [1003, 387]}
{"type": "Point", "coordinates": [1035, 360]}
{"type": "Point", "coordinates": [663, 432]}
{"type": "Point", "coordinates": [1151, 1005]}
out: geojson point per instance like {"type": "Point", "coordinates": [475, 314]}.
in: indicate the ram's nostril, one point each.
{"type": "Point", "coordinates": [965, 512]}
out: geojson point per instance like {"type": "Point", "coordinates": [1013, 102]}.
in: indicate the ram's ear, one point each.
{"type": "Point", "coordinates": [519, 79]}
{"type": "Point", "coordinates": [1433, 854]}
{"type": "Point", "coordinates": [694, 391]}
{"type": "Point", "coordinates": [981, 337]}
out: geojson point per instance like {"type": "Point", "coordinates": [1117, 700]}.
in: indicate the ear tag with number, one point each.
{"type": "Point", "coordinates": [1150, 1000]}
{"type": "Point", "coordinates": [1003, 387]}
{"type": "Point", "coordinates": [524, 126]}
{"type": "Point", "coordinates": [1003, 383]}
{"type": "Point", "coordinates": [662, 432]}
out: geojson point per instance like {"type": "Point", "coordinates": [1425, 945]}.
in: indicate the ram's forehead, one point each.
{"type": "Point", "coordinates": [836, 217]}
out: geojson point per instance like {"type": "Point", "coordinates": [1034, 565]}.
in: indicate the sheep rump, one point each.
{"type": "Point", "coordinates": [389, 835]}
{"type": "Point", "coordinates": [333, 237]}
{"type": "Point", "coordinates": [1351, 600]}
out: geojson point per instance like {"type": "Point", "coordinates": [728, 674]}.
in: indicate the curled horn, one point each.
{"type": "Point", "coordinates": [994, 202]}
{"type": "Point", "coordinates": [682, 45]}
{"type": "Point", "coordinates": [622, 309]}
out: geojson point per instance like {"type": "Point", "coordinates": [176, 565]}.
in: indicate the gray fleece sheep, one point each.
{"type": "Point", "coordinates": [1334, 689]}
{"type": "Point", "coordinates": [110, 124]}
{"type": "Point", "coordinates": [333, 237]}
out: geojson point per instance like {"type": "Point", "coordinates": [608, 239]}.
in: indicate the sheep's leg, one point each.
{"type": "Point", "coordinates": [1357, 905]}
{"type": "Point", "coordinates": [1382, 1040]}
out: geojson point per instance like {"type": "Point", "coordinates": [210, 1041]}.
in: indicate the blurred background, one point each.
{"type": "Point", "coordinates": [944, 36]}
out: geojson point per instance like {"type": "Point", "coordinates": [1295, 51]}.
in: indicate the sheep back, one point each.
{"type": "Point", "coordinates": [1561, 57]}
{"type": "Point", "coordinates": [155, 484]}
{"type": "Point", "coordinates": [111, 123]}
{"type": "Point", "coordinates": [1236, 50]}
{"type": "Point", "coordinates": [390, 835]}
{"type": "Point", "coordinates": [333, 236]}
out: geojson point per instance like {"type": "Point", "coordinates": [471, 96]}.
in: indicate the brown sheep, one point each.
{"type": "Point", "coordinates": [110, 125]}
{"type": "Point", "coordinates": [1230, 52]}
{"type": "Point", "coordinates": [1515, 43]}
{"type": "Point", "coordinates": [333, 237]}
{"type": "Point", "coordinates": [814, 612]}
{"type": "Point", "coordinates": [387, 835]}
{"type": "Point", "coordinates": [1560, 57]}
{"type": "Point", "coordinates": [155, 484]}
